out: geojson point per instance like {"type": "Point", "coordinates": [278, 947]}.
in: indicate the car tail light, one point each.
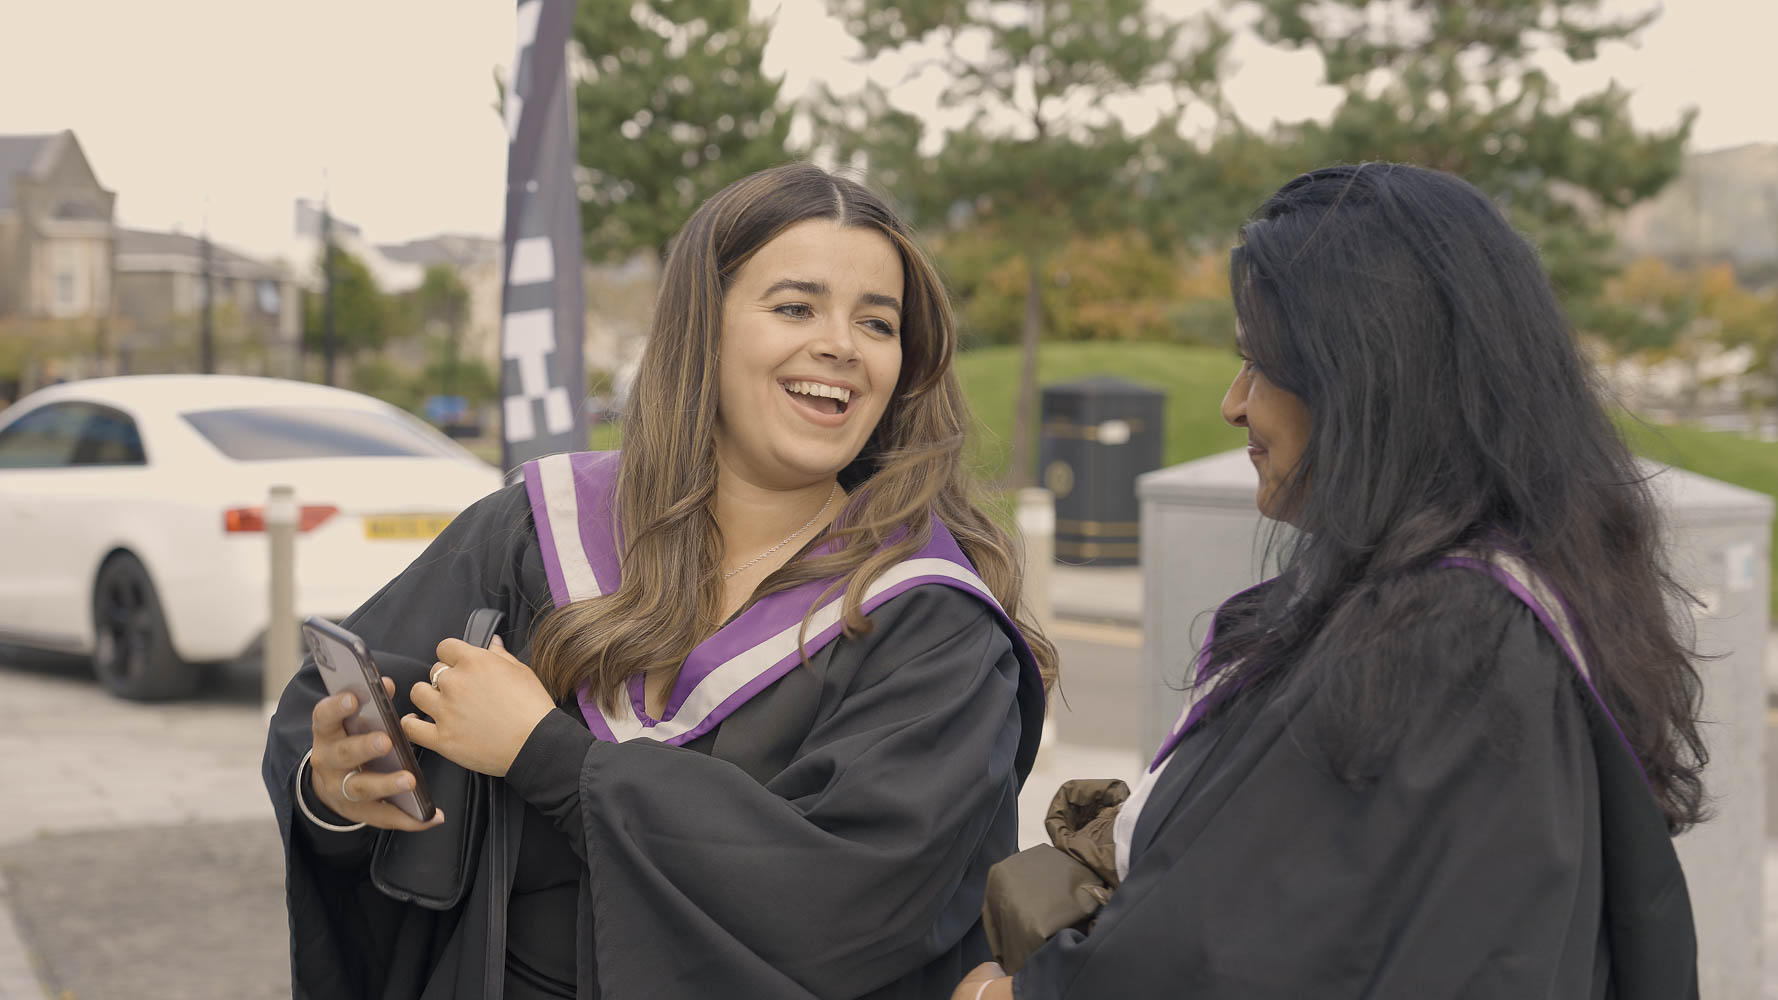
{"type": "Point", "coordinates": [239, 519]}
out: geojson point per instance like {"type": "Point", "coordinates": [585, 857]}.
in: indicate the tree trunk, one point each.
{"type": "Point", "coordinates": [1020, 472]}
{"type": "Point", "coordinates": [1694, 383]}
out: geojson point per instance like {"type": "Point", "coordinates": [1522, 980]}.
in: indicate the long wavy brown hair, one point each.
{"type": "Point", "coordinates": [911, 468]}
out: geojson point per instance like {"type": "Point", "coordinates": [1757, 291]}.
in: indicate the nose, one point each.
{"type": "Point", "coordinates": [837, 341]}
{"type": "Point", "coordinates": [1234, 402]}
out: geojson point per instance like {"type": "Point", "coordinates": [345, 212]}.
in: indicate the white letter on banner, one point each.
{"type": "Point", "coordinates": [533, 261]}
{"type": "Point", "coordinates": [518, 419]}
{"type": "Point", "coordinates": [527, 338]}
{"type": "Point", "coordinates": [558, 416]}
{"type": "Point", "coordinates": [529, 12]}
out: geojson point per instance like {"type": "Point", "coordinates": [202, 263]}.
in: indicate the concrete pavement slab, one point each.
{"type": "Point", "coordinates": [18, 969]}
{"type": "Point", "coordinates": [191, 912]}
{"type": "Point", "coordinates": [1097, 593]}
{"type": "Point", "coordinates": [86, 761]}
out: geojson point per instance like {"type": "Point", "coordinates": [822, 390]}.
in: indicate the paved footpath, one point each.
{"type": "Point", "coordinates": [138, 858]}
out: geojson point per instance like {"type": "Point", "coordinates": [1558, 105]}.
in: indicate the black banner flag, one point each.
{"type": "Point", "coordinates": [542, 380]}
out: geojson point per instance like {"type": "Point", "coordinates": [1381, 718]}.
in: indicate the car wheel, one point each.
{"type": "Point", "coordinates": [131, 652]}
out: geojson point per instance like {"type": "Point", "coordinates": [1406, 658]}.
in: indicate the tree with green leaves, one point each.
{"type": "Point", "coordinates": [441, 309]}
{"type": "Point", "coordinates": [1043, 158]}
{"type": "Point", "coordinates": [672, 105]}
{"type": "Point", "coordinates": [362, 314]}
{"type": "Point", "coordinates": [1458, 87]}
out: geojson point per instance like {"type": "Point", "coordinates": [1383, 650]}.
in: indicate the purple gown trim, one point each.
{"type": "Point", "coordinates": [1553, 625]}
{"type": "Point", "coordinates": [1503, 575]}
{"type": "Point", "coordinates": [1195, 712]}
{"type": "Point", "coordinates": [747, 655]}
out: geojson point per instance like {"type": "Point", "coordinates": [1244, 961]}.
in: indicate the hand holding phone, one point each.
{"type": "Point", "coordinates": [361, 758]}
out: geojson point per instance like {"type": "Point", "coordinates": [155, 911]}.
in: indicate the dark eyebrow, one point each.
{"type": "Point", "coordinates": [820, 290]}
{"type": "Point", "coordinates": [815, 288]}
{"type": "Point", "coordinates": [887, 301]}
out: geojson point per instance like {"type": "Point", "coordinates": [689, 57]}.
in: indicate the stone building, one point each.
{"type": "Point", "coordinates": [256, 316]}
{"type": "Point", "coordinates": [56, 235]}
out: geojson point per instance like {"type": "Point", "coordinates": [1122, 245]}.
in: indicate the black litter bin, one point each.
{"type": "Point", "coordinates": [1098, 435]}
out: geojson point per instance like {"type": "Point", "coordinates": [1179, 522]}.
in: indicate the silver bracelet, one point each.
{"type": "Point", "coordinates": [302, 769]}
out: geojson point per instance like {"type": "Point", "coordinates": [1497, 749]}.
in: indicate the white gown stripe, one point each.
{"type": "Point", "coordinates": [740, 670]}
{"type": "Point", "coordinates": [556, 475]}
{"type": "Point", "coordinates": [1558, 612]}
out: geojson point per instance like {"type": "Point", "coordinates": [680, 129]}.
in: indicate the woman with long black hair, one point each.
{"type": "Point", "coordinates": [1443, 752]}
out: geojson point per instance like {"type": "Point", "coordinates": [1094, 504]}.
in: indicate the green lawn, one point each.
{"type": "Point", "coordinates": [1194, 379]}
{"type": "Point", "coordinates": [1732, 458]}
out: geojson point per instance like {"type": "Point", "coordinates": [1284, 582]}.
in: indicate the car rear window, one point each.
{"type": "Point", "coordinates": [262, 433]}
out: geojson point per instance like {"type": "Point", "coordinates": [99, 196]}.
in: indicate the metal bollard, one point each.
{"type": "Point", "coordinates": [1037, 524]}
{"type": "Point", "coordinates": [281, 631]}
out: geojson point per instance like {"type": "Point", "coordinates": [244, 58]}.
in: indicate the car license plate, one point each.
{"type": "Point", "coordinates": [404, 527]}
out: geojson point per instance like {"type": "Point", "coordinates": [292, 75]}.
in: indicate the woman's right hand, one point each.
{"type": "Point", "coordinates": [337, 754]}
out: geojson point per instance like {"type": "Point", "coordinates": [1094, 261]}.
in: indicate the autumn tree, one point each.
{"type": "Point", "coordinates": [1112, 286]}
{"type": "Point", "coordinates": [1687, 314]}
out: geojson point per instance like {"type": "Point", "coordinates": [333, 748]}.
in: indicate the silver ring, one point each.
{"type": "Point", "coordinates": [438, 672]}
{"type": "Point", "coordinates": [349, 797]}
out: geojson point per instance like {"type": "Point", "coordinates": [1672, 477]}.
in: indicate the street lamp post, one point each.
{"type": "Point", "coordinates": [207, 329]}
{"type": "Point", "coordinates": [326, 292]}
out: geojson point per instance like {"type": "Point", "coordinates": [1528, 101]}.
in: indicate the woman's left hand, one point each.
{"type": "Point", "coordinates": [987, 981]}
{"type": "Point", "coordinates": [484, 704]}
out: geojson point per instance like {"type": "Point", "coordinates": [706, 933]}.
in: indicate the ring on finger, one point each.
{"type": "Point", "coordinates": [345, 792]}
{"type": "Point", "coordinates": [438, 671]}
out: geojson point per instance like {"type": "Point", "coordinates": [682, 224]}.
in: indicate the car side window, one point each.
{"type": "Point", "coordinates": [108, 438]}
{"type": "Point", "coordinates": [44, 438]}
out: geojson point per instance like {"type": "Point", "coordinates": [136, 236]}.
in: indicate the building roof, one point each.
{"type": "Point", "coordinates": [19, 154]}
{"type": "Point", "coordinates": [459, 250]}
{"type": "Point", "coordinates": [144, 250]}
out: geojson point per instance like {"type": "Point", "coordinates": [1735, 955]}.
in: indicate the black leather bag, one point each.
{"type": "Point", "coordinates": [433, 868]}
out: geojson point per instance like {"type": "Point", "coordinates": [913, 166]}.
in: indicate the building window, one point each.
{"type": "Point", "coordinates": [68, 291]}
{"type": "Point", "coordinates": [270, 302]}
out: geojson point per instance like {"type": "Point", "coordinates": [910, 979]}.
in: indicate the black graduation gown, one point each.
{"type": "Point", "coordinates": [1510, 847]}
{"type": "Point", "coordinates": [830, 838]}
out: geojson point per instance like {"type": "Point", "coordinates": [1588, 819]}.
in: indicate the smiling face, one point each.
{"type": "Point", "coordinates": [810, 353]}
{"type": "Point", "coordinates": [1277, 426]}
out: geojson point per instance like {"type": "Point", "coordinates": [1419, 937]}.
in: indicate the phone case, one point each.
{"type": "Point", "coordinates": [345, 664]}
{"type": "Point", "coordinates": [433, 868]}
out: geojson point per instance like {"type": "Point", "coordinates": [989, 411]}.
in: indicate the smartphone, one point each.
{"type": "Point", "coordinates": [345, 664]}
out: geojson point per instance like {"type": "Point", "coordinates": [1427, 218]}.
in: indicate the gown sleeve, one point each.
{"type": "Point", "coordinates": [856, 864]}
{"type": "Point", "coordinates": [1469, 866]}
{"type": "Point", "coordinates": [344, 934]}
{"type": "Point", "coordinates": [486, 557]}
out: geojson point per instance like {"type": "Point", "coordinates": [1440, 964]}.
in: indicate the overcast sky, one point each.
{"type": "Point", "coordinates": [237, 109]}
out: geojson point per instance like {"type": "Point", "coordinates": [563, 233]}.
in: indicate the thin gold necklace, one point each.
{"type": "Point", "coordinates": [830, 495]}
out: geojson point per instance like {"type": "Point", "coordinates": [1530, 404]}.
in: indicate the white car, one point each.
{"type": "Point", "coordinates": [132, 522]}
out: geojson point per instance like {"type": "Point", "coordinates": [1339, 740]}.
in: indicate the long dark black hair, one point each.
{"type": "Point", "coordinates": [1450, 407]}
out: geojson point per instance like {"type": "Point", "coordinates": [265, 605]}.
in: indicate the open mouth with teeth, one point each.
{"type": "Point", "coordinates": [819, 396]}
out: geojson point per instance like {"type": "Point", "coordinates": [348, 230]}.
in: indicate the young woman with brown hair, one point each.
{"type": "Point", "coordinates": [767, 691]}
